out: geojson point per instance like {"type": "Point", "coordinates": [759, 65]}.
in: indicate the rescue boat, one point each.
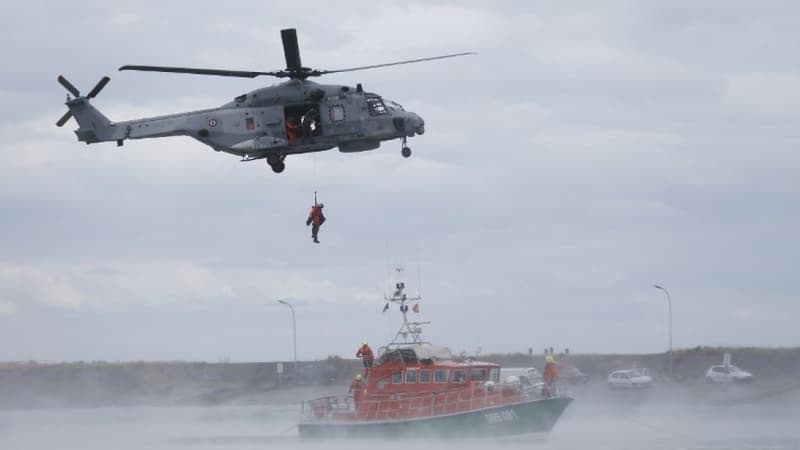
{"type": "Point", "coordinates": [417, 389]}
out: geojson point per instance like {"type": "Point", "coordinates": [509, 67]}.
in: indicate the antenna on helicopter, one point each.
{"type": "Point", "coordinates": [294, 68]}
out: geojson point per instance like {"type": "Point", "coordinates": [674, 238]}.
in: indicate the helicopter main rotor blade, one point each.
{"type": "Point", "coordinates": [196, 71]}
{"type": "Point", "coordinates": [64, 119]}
{"type": "Point", "coordinates": [291, 51]}
{"type": "Point", "coordinates": [98, 87]}
{"type": "Point", "coordinates": [68, 86]}
{"type": "Point", "coordinates": [410, 61]}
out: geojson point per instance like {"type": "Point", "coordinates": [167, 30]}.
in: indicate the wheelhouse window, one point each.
{"type": "Point", "coordinates": [397, 377]}
{"type": "Point", "coordinates": [424, 376]}
{"type": "Point", "coordinates": [440, 376]}
{"type": "Point", "coordinates": [337, 113]}
{"type": "Point", "coordinates": [375, 105]}
{"type": "Point", "coordinates": [478, 375]}
{"type": "Point", "coordinates": [458, 376]}
{"type": "Point", "coordinates": [411, 376]}
{"type": "Point", "coordinates": [494, 374]}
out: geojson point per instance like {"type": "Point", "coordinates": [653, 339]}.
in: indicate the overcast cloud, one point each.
{"type": "Point", "coordinates": [589, 151]}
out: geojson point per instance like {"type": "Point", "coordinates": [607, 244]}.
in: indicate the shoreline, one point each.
{"type": "Point", "coordinates": [174, 383]}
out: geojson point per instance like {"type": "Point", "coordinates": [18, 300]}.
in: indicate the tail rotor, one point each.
{"type": "Point", "coordinates": [75, 92]}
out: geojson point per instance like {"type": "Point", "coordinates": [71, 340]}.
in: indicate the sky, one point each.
{"type": "Point", "coordinates": [586, 153]}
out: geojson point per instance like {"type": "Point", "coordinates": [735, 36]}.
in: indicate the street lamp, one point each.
{"type": "Point", "coordinates": [294, 332]}
{"type": "Point", "coordinates": [669, 304]}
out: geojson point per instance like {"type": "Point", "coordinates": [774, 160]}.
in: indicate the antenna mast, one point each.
{"type": "Point", "coordinates": [409, 332]}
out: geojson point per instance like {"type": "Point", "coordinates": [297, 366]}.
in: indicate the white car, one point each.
{"type": "Point", "coordinates": [629, 379]}
{"type": "Point", "coordinates": [728, 374]}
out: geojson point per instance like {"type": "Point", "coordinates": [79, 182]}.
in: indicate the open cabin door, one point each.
{"type": "Point", "coordinates": [304, 121]}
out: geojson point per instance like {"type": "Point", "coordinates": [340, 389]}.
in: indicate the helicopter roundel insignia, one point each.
{"type": "Point", "coordinates": [212, 123]}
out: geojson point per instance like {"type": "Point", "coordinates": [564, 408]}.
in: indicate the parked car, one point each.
{"type": "Point", "coordinates": [629, 379]}
{"type": "Point", "coordinates": [572, 374]}
{"type": "Point", "coordinates": [728, 374]}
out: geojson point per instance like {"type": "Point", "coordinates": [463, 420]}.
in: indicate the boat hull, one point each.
{"type": "Point", "coordinates": [534, 416]}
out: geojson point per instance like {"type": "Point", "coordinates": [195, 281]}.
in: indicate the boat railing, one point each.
{"type": "Point", "coordinates": [409, 405]}
{"type": "Point", "coordinates": [327, 407]}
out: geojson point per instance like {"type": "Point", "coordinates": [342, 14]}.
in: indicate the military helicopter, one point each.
{"type": "Point", "coordinates": [295, 116]}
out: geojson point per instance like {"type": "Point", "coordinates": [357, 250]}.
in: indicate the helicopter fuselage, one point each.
{"type": "Point", "coordinates": [297, 116]}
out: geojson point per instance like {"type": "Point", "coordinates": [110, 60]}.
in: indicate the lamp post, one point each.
{"type": "Point", "coordinates": [294, 334]}
{"type": "Point", "coordinates": [669, 304]}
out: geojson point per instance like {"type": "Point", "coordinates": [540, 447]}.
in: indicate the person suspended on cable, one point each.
{"type": "Point", "coordinates": [316, 219]}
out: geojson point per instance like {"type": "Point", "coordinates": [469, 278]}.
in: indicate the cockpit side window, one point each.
{"type": "Point", "coordinates": [375, 105]}
{"type": "Point", "coordinates": [393, 106]}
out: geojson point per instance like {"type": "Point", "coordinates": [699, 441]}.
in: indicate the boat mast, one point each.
{"type": "Point", "coordinates": [409, 332]}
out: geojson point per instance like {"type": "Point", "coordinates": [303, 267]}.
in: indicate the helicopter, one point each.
{"type": "Point", "coordinates": [293, 117]}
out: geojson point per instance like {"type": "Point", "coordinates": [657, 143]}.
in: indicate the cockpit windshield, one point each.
{"type": "Point", "coordinates": [375, 105]}
{"type": "Point", "coordinates": [392, 106]}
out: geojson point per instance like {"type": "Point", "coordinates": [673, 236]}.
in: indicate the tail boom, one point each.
{"type": "Point", "coordinates": [93, 125]}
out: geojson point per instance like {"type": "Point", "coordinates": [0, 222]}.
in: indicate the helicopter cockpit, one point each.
{"type": "Point", "coordinates": [375, 105]}
{"type": "Point", "coordinates": [393, 106]}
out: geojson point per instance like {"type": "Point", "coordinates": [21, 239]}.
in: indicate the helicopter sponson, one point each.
{"type": "Point", "coordinates": [292, 117]}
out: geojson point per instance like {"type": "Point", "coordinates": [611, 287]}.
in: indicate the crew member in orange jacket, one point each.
{"type": "Point", "coordinates": [316, 218]}
{"type": "Point", "coordinates": [356, 387]}
{"type": "Point", "coordinates": [366, 355]}
{"type": "Point", "coordinates": [550, 375]}
{"type": "Point", "coordinates": [290, 131]}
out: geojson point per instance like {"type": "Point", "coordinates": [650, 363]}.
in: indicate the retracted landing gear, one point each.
{"type": "Point", "coordinates": [276, 162]}
{"type": "Point", "coordinates": [405, 151]}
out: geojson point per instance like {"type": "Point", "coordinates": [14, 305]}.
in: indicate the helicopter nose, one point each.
{"type": "Point", "coordinates": [416, 123]}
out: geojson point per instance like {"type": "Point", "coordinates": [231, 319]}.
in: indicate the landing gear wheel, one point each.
{"type": "Point", "coordinates": [406, 152]}
{"type": "Point", "coordinates": [276, 162]}
{"type": "Point", "coordinates": [278, 167]}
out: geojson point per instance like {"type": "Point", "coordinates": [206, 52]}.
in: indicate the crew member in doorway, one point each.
{"type": "Point", "coordinates": [310, 123]}
{"type": "Point", "coordinates": [356, 387]}
{"type": "Point", "coordinates": [315, 219]}
{"type": "Point", "coordinates": [549, 376]}
{"type": "Point", "coordinates": [366, 355]}
{"type": "Point", "coordinates": [291, 128]}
